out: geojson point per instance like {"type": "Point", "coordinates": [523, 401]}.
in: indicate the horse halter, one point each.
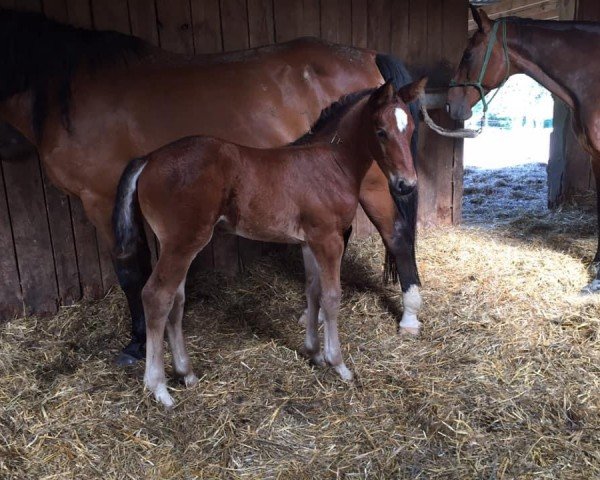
{"type": "Point", "coordinates": [486, 60]}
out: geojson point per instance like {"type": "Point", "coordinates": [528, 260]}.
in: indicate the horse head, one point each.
{"type": "Point", "coordinates": [392, 127]}
{"type": "Point", "coordinates": [483, 67]}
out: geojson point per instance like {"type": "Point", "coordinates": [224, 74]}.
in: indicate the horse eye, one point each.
{"type": "Point", "coordinates": [467, 56]}
{"type": "Point", "coordinates": [382, 134]}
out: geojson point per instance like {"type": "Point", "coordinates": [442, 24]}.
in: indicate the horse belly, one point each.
{"type": "Point", "coordinates": [265, 228]}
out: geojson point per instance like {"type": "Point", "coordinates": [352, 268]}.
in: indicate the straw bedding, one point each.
{"type": "Point", "coordinates": [503, 382]}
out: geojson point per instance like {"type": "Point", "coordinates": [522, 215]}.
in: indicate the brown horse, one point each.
{"type": "Point", "coordinates": [562, 56]}
{"type": "Point", "coordinates": [90, 101]}
{"type": "Point", "coordinates": [303, 194]}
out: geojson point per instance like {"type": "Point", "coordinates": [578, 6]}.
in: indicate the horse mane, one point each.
{"type": "Point", "coordinates": [332, 114]}
{"type": "Point", "coordinates": [563, 25]}
{"type": "Point", "coordinates": [41, 55]}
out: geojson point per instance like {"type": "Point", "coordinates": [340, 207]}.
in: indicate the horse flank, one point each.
{"type": "Point", "coordinates": [40, 55]}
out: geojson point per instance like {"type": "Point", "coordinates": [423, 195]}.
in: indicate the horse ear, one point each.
{"type": "Point", "coordinates": [384, 94]}
{"type": "Point", "coordinates": [481, 19]}
{"type": "Point", "coordinates": [412, 91]}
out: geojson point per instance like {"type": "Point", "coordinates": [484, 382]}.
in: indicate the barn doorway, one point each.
{"type": "Point", "coordinates": [505, 166]}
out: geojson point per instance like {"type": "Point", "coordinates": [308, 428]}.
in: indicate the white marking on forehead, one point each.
{"type": "Point", "coordinates": [401, 119]}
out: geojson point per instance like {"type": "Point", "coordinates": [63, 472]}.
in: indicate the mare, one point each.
{"type": "Point", "coordinates": [562, 56]}
{"type": "Point", "coordinates": [306, 194]}
{"type": "Point", "coordinates": [90, 101]}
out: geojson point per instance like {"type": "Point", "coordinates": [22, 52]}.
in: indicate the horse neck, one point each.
{"type": "Point", "coordinates": [351, 141]}
{"type": "Point", "coordinates": [547, 56]}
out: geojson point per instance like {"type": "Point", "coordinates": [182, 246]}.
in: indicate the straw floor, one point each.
{"type": "Point", "coordinates": [503, 383]}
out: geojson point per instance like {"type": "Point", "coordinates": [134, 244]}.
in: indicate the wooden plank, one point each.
{"type": "Point", "coordinates": [359, 23]}
{"type": "Point", "coordinates": [588, 10]}
{"type": "Point", "coordinates": [336, 21]}
{"type": "Point", "coordinates": [25, 195]}
{"type": "Point", "coordinates": [142, 17]}
{"type": "Point", "coordinates": [261, 24]}
{"type": "Point", "coordinates": [206, 20]}
{"type": "Point", "coordinates": [234, 23]}
{"type": "Point", "coordinates": [11, 298]}
{"type": "Point", "coordinates": [400, 30]}
{"type": "Point", "coordinates": [457, 177]}
{"type": "Point", "coordinates": [175, 26]}
{"type": "Point", "coordinates": [88, 260]}
{"type": "Point", "coordinates": [454, 36]}
{"type": "Point", "coordinates": [432, 55]}
{"type": "Point", "coordinates": [31, 234]}
{"type": "Point", "coordinates": [63, 244]}
{"type": "Point", "coordinates": [379, 25]}
{"type": "Point", "coordinates": [79, 13]}
{"type": "Point", "coordinates": [55, 9]}
{"type": "Point", "coordinates": [417, 39]}
{"type": "Point", "coordinates": [296, 18]}
{"type": "Point", "coordinates": [111, 15]}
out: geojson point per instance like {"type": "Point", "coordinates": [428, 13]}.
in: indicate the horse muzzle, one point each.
{"type": "Point", "coordinates": [401, 187]}
{"type": "Point", "coordinates": [461, 112]}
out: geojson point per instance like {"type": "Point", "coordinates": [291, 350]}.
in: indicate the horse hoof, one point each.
{"type": "Point", "coordinates": [131, 354]}
{"type": "Point", "coordinates": [162, 396]}
{"type": "Point", "coordinates": [409, 331]}
{"type": "Point", "coordinates": [304, 318]}
{"type": "Point", "coordinates": [591, 289]}
{"type": "Point", "coordinates": [344, 373]}
{"type": "Point", "coordinates": [190, 380]}
{"type": "Point", "coordinates": [126, 360]}
{"type": "Point", "coordinates": [318, 359]}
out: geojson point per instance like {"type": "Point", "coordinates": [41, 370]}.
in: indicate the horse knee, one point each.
{"type": "Point", "coordinates": [157, 303]}
{"type": "Point", "coordinates": [331, 299]}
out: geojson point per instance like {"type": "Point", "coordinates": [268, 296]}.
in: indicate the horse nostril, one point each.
{"type": "Point", "coordinates": [400, 187]}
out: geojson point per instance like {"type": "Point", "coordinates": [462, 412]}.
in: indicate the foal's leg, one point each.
{"type": "Point", "coordinates": [304, 318]}
{"type": "Point", "coordinates": [328, 255]}
{"type": "Point", "coordinates": [158, 297]}
{"type": "Point", "coordinates": [313, 290]}
{"type": "Point", "coordinates": [181, 359]}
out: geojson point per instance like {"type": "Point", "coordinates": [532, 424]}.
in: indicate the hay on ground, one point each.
{"type": "Point", "coordinates": [503, 382]}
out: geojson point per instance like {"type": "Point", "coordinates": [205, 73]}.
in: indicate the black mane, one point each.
{"type": "Point", "coordinates": [41, 56]}
{"type": "Point", "coordinates": [331, 114]}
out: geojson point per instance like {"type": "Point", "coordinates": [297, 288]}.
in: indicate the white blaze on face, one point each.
{"type": "Point", "coordinates": [401, 119]}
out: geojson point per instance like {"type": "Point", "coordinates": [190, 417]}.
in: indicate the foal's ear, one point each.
{"type": "Point", "coordinates": [412, 91]}
{"type": "Point", "coordinates": [384, 94]}
{"type": "Point", "coordinates": [481, 19]}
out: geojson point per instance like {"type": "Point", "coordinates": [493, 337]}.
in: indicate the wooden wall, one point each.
{"type": "Point", "coordinates": [50, 254]}
{"type": "Point", "coordinates": [570, 176]}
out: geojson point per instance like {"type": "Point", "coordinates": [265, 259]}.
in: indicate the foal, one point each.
{"type": "Point", "coordinates": [305, 194]}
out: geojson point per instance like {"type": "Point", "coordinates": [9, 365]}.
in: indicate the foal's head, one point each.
{"type": "Point", "coordinates": [392, 127]}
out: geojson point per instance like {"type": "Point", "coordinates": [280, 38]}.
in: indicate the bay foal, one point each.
{"type": "Point", "coordinates": [304, 194]}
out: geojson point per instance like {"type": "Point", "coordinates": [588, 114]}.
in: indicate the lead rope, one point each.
{"type": "Point", "coordinates": [466, 132]}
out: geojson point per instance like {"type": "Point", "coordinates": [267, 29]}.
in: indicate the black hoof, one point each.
{"type": "Point", "coordinates": [131, 354]}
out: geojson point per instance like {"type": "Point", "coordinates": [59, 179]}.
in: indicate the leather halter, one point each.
{"type": "Point", "coordinates": [486, 60]}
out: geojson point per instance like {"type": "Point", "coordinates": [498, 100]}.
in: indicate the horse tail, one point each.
{"type": "Point", "coordinates": [393, 69]}
{"type": "Point", "coordinates": [127, 220]}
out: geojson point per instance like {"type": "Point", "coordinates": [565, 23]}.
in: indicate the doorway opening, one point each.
{"type": "Point", "coordinates": [505, 166]}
